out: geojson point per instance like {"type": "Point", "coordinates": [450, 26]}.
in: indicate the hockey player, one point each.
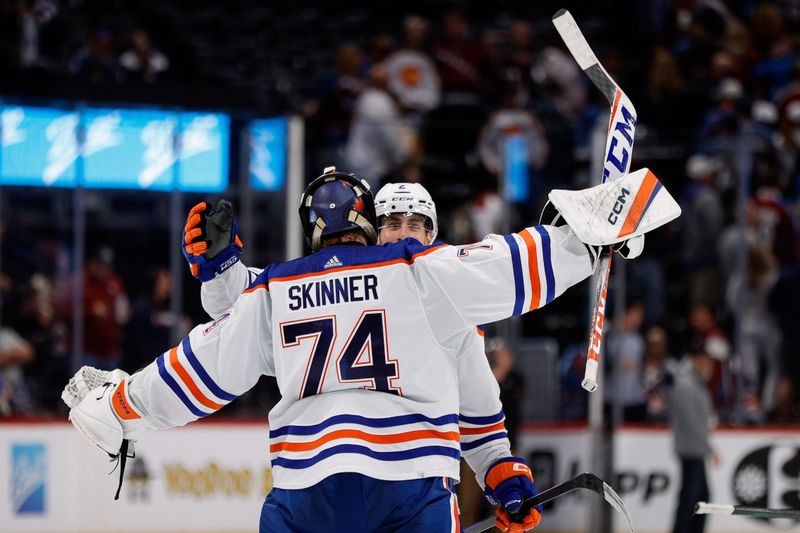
{"type": "Point", "coordinates": [335, 328]}
{"type": "Point", "coordinates": [404, 210]}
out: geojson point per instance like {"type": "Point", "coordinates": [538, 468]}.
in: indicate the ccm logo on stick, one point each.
{"type": "Point", "coordinates": [613, 216]}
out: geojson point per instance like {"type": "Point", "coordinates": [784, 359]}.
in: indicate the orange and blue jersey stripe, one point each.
{"type": "Point", "coordinates": [190, 393]}
{"type": "Point", "coordinates": [528, 283]}
{"type": "Point", "coordinates": [315, 437]}
{"type": "Point", "coordinates": [478, 430]}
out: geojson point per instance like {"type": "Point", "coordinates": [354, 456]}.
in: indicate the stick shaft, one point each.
{"type": "Point", "coordinates": [619, 147]}
{"type": "Point", "coordinates": [759, 512]}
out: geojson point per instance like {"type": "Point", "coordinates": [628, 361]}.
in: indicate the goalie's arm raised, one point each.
{"type": "Point", "coordinates": [507, 275]}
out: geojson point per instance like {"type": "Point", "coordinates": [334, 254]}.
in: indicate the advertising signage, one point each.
{"type": "Point", "coordinates": [114, 148]}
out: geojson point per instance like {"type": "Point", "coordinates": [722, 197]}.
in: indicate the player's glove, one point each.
{"type": "Point", "coordinates": [630, 249]}
{"type": "Point", "coordinates": [210, 241]}
{"type": "Point", "coordinates": [509, 483]}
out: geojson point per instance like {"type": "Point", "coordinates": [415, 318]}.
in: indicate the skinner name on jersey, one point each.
{"type": "Point", "coordinates": [333, 291]}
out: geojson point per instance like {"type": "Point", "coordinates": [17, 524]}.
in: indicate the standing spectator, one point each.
{"type": "Point", "coordinates": [692, 417]}
{"type": "Point", "coordinates": [783, 303]}
{"type": "Point", "coordinates": [703, 220]}
{"type": "Point", "coordinates": [379, 141]}
{"type": "Point", "coordinates": [95, 62]}
{"type": "Point", "coordinates": [141, 62]}
{"type": "Point", "coordinates": [626, 362]}
{"type": "Point", "coordinates": [512, 385]}
{"type": "Point", "coordinates": [461, 60]}
{"type": "Point", "coordinates": [759, 336]}
{"type": "Point", "coordinates": [105, 308]}
{"type": "Point", "coordinates": [412, 75]}
{"type": "Point", "coordinates": [15, 352]}
{"type": "Point", "coordinates": [330, 112]}
{"type": "Point", "coordinates": [152, 323]}
{"type": "Point", "coordinates": [658, 366]}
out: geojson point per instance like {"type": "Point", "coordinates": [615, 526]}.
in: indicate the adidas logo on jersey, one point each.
{"type": "Point", "coordinates": [333, 262]}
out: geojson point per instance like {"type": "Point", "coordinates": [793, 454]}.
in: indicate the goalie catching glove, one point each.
{"type": "Point", "coordinates": [210, 241]}
{"type": "Point", "coordinates": [509, 483]}
{"type": "Point", "coordinates": [102, 413]}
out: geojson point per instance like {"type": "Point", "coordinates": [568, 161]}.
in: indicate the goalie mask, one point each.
{"type": "Point", "coordinates": [335, 203]}
{"type": "Point", "coordinates": [407, 199]}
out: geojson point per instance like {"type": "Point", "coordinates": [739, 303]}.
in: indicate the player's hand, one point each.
{"type": "Point", "coordinates": [509, 483]}
{"type": "Point", "coordinates": [210, 241]}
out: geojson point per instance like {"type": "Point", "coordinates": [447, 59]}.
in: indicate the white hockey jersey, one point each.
{"type": "Point", "coordinates": [365, 344]}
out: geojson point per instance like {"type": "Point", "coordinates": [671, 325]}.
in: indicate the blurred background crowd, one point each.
{"type": "Point", "coordinates": [432, 92]}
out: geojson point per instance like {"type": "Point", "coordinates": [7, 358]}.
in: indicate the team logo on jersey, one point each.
{"type": "Point", "coordinates": [463, 251]}
{"type": "Point", "coordinates": [332, 262]}
{"type": "Point", "coordinates": [211, 327]}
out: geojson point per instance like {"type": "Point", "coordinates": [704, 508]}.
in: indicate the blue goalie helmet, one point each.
{"type": "Point", "coordinates": [334, 203]}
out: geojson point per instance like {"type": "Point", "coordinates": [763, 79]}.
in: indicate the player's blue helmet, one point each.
{"type": "Point", "coordinates": [334, 203]}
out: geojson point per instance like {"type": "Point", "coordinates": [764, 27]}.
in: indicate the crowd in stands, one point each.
{"type": "Point", "coordinates": [441, 98]}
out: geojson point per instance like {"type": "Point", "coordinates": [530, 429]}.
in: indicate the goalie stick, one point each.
{"type": "Point", "coordinates": [619, 147]}
{"type": "Point", "coordinates": [758, 512]}
{"type": "Point", "coordinates": [586, 481]}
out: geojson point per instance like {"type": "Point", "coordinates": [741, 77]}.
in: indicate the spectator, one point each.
{"type": "Point", "coordinates": [95, 63]}
{"type": "Point", "coordinates": [625, 362]}
{"type": "Point", "coordinates": [152, 324]}
{"type": "Point", "coordinates": [512, 385]}
{"type": "Point", "coordinates": [705, 332]}
{"type": "Point", "coordinates": [658, 367]}
{"type": "Point", "coordinates": [15, 352]}
{"type": "Point", "coordinates": [105, 310]}
{"type": "Point", "coordinates": [330, 112]}
{"type": "Point", "coordinates": [142, 62]}
{"type": "Point", "coordinates": [783, 303]}
{"type": "Point", "coordinates": [461, 61]}
{"type": "Point", "coordinates": [512, 120]}
{"type": "Point", "coordinates": [691, 416]}
{"type": "Point", "coordinates": [759, 337]}
{"type": "Point", "coordinates": [412, 75]}
{"type": "Point", "coordinates": [379, 141]}
{"type": "Point", "coordinates": [703, 219]}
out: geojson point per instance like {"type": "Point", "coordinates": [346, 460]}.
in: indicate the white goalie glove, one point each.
{"type": "Point", "coordinates": [100, 409]}
{"type": "Point", "coordinates": [616, 213]}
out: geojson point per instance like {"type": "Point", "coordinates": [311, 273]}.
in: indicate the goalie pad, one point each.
{"type": "Point", "coordinates": [617, 210]}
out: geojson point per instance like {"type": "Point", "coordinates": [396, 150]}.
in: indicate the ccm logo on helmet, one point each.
{"type": "Point", "coordinates": [613, 216]}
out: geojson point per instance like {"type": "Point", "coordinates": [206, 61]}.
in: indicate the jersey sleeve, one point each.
{"type": "Point", "coordinates": [480, 419]}
{"type": "Point", "coordinates": [214, 364]}
{"type": "Point", "coordinates": [498, 277]}
{"type": "Point", "coordinates": [219, 294]}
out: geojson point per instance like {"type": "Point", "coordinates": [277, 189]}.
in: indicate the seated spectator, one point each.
{"type": "Point", "coordinates": [142, 62]}
{"type": "Point", "coordinates": [95, 62]}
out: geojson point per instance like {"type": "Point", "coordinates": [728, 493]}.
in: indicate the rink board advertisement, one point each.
{"type": "Point", "coordinates": [212, 477]}
{"type": "Point", "coordinates": [206, 477]}
{"type": "Point", "coordinates": [757, 468]}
